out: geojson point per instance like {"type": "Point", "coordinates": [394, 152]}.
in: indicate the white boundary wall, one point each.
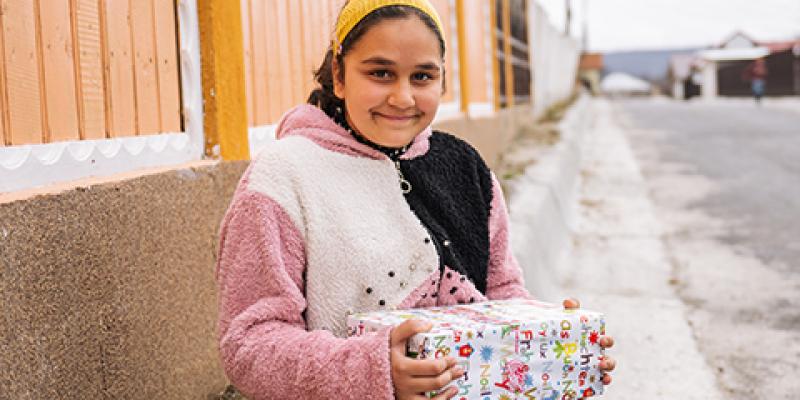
{"type": "Point", "coordinates": [543, 209]}
{"type": "Point", "coordinates": [554, 59]}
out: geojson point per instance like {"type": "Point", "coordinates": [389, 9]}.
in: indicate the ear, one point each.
{"type": "Point", "coordinates": [338, 85]}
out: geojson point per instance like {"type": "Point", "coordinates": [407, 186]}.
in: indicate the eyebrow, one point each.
{"type": "Point", "coordinates": [387, 62]}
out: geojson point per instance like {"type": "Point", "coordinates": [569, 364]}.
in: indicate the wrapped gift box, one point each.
{"type": "Point", "coordinates": [511, 349]}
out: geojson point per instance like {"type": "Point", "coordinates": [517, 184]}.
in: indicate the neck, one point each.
{"type": "Point", "coordinates": [393, 153]}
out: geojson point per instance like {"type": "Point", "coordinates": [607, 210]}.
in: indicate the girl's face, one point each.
{"type": "Point", "coordinates": [392, 81]}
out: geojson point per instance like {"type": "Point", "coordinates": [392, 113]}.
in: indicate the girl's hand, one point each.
{"type": "Point", "coordinates": [412, 378]}
{"type": "Point", "coordinates": [606, 342]}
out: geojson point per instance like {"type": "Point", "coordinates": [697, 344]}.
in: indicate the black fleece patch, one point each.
{"type": "Point", "coordinates": [452, 196]}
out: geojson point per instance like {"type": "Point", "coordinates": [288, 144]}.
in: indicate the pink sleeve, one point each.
{"type": "Point", "coordinates": [504, 280]}
{"type": "Point", "coordinates": [266, 350]}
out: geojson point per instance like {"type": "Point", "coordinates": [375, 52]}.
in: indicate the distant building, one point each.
{"type": "Point", "coordinates": [723, 68]}
{"type": "Point", "coordinates": [684, 74]}
{"type": "Point", "coordinates": [589, 70]}
{"type": "Point", "coordinates": [783, 64]}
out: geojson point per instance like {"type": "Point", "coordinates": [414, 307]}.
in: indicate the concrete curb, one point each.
{"type": "Point", "coordinates": [620, 264]}
{"type": "Point", "coordinates": [542, 211]}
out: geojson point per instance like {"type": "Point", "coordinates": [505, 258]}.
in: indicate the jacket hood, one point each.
{"type": "Point", "coordinates": [312, 123]}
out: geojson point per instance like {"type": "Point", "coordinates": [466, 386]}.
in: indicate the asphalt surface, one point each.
{"type": "Point", "coordinates": [751, 153]}
{"type": "Point", "coordinates": [724, 178]}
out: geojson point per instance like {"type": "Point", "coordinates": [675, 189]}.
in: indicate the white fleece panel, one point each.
{"type": "Point", "coordinates": [272, 175]}
{"type": "Point", "coordinates": [357, 226]}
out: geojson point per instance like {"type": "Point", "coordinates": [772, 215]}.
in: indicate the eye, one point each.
{"type": "Point", "coordinates": [382, 74]}
{"type": "Point", "coordinates": [422, 76]}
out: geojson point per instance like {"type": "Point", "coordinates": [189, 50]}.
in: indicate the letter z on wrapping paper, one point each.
{"type": "Point", "coordinates": [509, 348]}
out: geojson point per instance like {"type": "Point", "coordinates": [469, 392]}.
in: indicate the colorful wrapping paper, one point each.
{"type": "Point", "coordinates": [510, 349]}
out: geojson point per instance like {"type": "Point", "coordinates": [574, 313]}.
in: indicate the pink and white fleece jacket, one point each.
{"type": "Point", "coordinates": [319, 227]}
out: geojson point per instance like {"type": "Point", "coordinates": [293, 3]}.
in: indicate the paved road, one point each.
{"type": "Point", "coordinates": [751, 153]}
{"type": "Point", "coordinates": [725, 180]}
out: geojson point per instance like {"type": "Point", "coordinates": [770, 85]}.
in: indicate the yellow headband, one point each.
{"type": "Point", "coordinates": [355, 10]}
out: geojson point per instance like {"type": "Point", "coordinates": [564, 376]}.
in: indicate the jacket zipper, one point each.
{"type": "Point", "coordinates": [405, 185]}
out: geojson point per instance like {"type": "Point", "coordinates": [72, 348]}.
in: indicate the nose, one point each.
{"type": "Point", "coordinates": [401, 96]}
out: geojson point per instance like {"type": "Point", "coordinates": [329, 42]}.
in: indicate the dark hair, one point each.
{"type": "Point", "coordinates": [323, 96]}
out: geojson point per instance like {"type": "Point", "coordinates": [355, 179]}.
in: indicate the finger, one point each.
{"type": "Point", "coordinates": [606, 342]}
{"type": "Point", "coordinates": [411, 396]}
{"type": "Point", "coordinates": [429, 368]}
{"type": "Point", "coordinates": [608, 364]}
{"type": "Point", "coordinates": [429, 383]}
{"type": "Point", "coordinates": [401, 333]}
{"type": "Point", "coordinates": [446, 395]}
{"type": "Point", "coordinates": [606, 379]}
{"type": "Point", "coordinates": [571, 303]}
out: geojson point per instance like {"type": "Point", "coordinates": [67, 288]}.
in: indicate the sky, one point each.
{"type": "Point", "coordinates": [618, 25]}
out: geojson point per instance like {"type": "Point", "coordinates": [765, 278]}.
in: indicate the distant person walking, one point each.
{"type": "Point", "coordinates": [756, 73]}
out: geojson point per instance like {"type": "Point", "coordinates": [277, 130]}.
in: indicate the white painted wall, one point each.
{"type": "Point", "coordinates": [709, 80]}
{"type": "Point", "coordinates": [554, 58]}
{"type": "Point", "coordinates": [677, 90]}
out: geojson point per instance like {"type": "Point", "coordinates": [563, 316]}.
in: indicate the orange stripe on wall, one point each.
{"type": "Point", "coordinates": [296, 44]}
{"type": "Point", "coordinates": [283, 57]}
{"type": "Point", "coordinates": [5, 132]}
{"type": "Point", "coordinates": [59, 73]}
{"type": "Point", "coordinates": [22, 72]}
{"type": "Point", "coordinates": [247, 40]}
{"type": "Point", "coordinates": [122, 106]}
{"type": "Point", "coordinates": [169, 94]}
{"type": "Point", "coordinates": [75, 49]}
{"type": "Point", "coordinates": [261, 63]}
{"type": "Point", "coordinates": [310, 29]}
{"type": "Point", "coordinates": [91, 68]}
{"type": "Point", "coordinates": [477, 20]}
{"type": "Point", "coordinates": [273, 55]}
{"type": "Point", "coordinates": [145, 72]}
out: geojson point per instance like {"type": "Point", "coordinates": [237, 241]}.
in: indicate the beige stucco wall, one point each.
{"type": "Point", "coordinates": [490, 135]}
{"type": "Point", "coordinates": [107, 290]}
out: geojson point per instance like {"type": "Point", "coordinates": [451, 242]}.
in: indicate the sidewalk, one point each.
{"type": "Point", "coordinates": [618, 265]}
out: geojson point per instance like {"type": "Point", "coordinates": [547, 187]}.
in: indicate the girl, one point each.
{"type": "Point", "coordinates": [360, 206]}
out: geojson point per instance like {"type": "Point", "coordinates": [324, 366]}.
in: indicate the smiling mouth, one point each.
{"type": "Point", "coordinates": [397, 117]}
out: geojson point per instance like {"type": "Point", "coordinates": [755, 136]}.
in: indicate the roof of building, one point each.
{"type": "Point", "coordinates": [750, 53]}
{"type": "Point", "coordinates": [591, 61]}
{"type": "Point", "coordinates": [775, 47]}
{"type": "Point", "coordinates": [735, 37]}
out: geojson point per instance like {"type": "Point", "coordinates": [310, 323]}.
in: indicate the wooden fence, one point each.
{"type": "Point", "coordinates": [284, 41]}
{"type": "Point", "coordinates": [76, 70]}
{"type": "Point", "coordinates": [87, 69]}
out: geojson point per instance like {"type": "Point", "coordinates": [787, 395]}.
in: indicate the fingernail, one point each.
{"type": "Point", "coordinates": [458, 370]}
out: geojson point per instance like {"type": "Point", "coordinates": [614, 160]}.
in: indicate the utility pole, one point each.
{"type": "Point", "coordinates": [569, 17]}
{"type": "Point", "coordinates": [585, 32]}
{"type": "Point", "coordinates": [796, 53]}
